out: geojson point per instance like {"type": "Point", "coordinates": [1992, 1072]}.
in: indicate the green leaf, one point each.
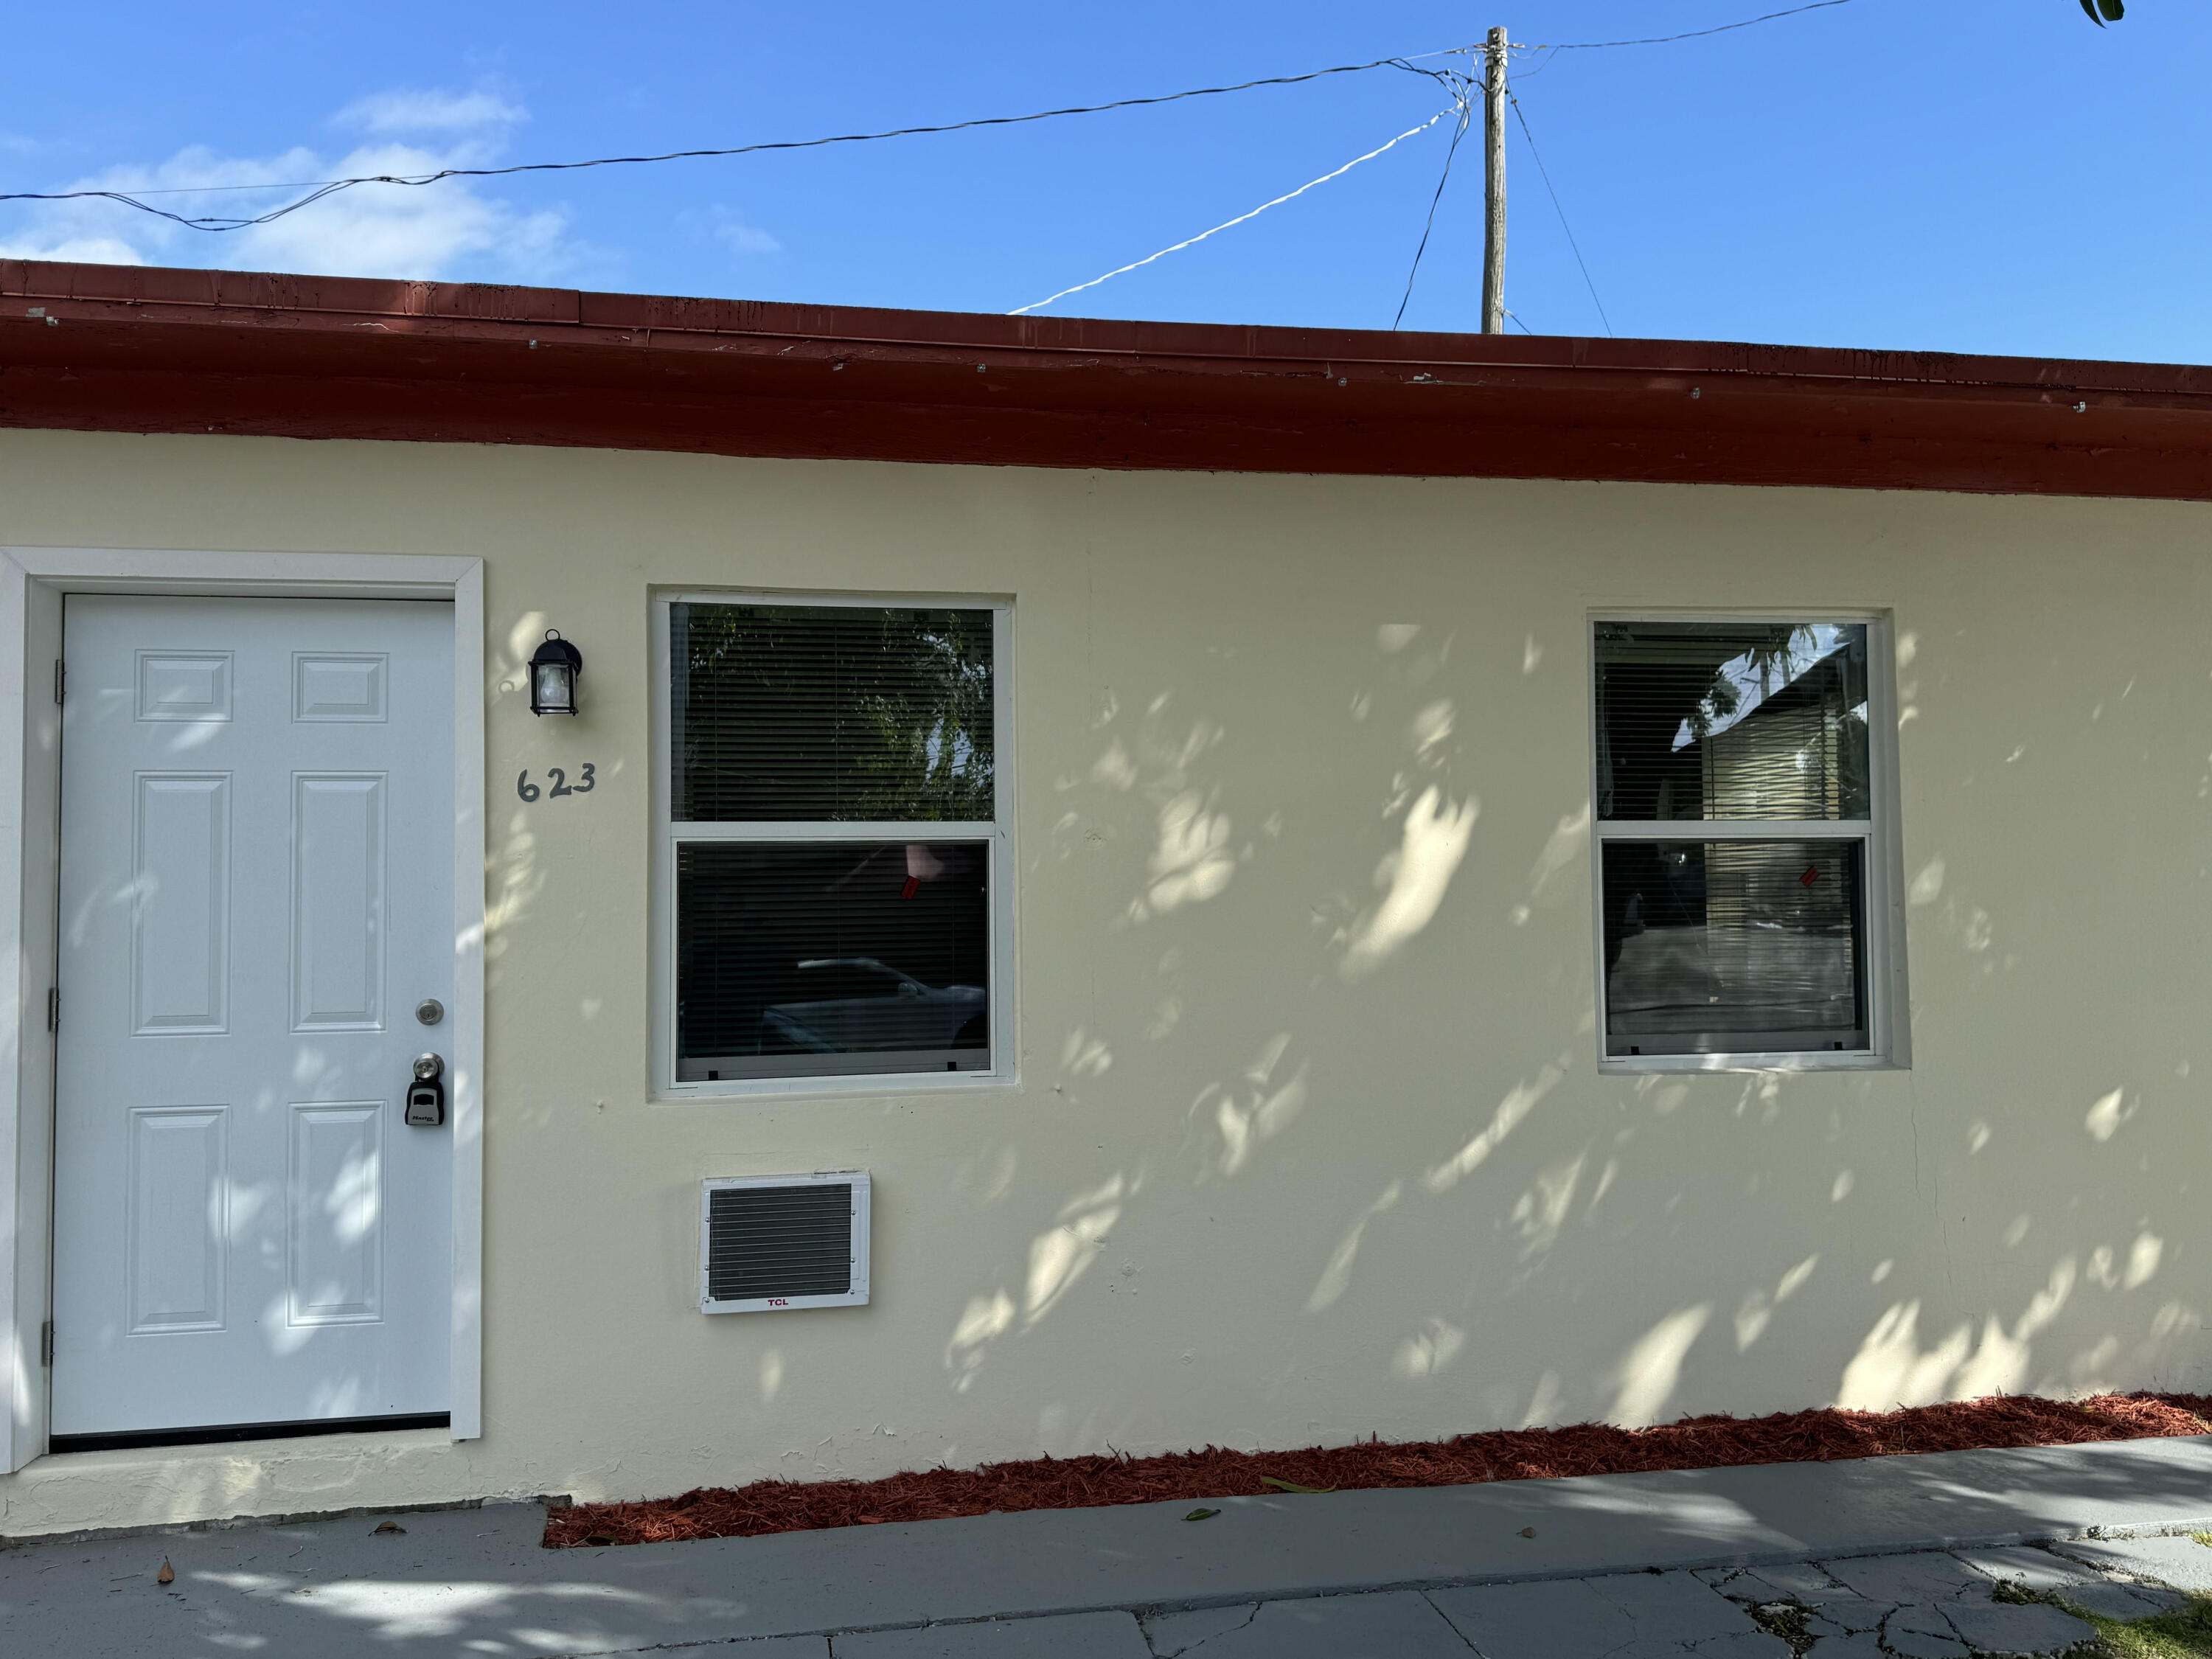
{"type": "Point", "coordinates": [1290, 1485]}
{"type": "Point", "coordinates": [2101, 12]}
{"type": "Point", "coordinates": [1201, 1514]}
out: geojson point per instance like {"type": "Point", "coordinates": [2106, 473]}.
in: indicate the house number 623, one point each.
{"type": "Point", "coordinates": [529, 790]}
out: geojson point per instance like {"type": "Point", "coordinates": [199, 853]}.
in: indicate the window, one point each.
{"type": "Point", "coordinates": [1741, 860]}
{"type": "Point", "coordinates": [832, 806]}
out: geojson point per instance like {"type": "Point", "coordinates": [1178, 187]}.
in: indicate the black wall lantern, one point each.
{"type": "Point", "coordinates": [553, 673]}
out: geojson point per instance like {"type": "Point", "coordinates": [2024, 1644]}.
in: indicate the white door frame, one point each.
{"type": "Point", "coordinates": [33, 581]}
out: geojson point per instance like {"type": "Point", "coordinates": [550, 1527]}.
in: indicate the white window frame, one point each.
{"type": "Point", "coordinates": [996, 835]}
{"type": "Point", "coordinates": [1878, 833]}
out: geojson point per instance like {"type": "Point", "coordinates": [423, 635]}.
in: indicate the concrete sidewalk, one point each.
{"type": "Point", "coordinates": [1634, 1564]}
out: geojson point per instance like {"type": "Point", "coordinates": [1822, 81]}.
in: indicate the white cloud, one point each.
{"type": "Point", "coordinates": [385, 230]}
{"type": "Point", "coordinates": [78, 250]}
{"type": "Point", "coordinates": [747, 239]}
{"type": "Point", "coordinates": [429, 109]}
{"type": "Point", "coordinates": [730, 229]}
{"type": "Point", "coordinates": [446, 229]}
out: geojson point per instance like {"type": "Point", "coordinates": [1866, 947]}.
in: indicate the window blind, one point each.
{"type": "Point", "coordinates": [830, 712]}
{"type": "Point", "coordinates": [1731, 720]}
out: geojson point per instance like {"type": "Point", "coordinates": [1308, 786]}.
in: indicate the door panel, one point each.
{"type": "Point", "coordinates": [336, 1209]}
{"type": "Point", "coordinates": [256, 892]}
{"type": "Point", "coordinates": [180, 901]}
{"type": "Point", "coordinates": [338, 903]}
{"type": "Point", "coordinates": [178, 1217]}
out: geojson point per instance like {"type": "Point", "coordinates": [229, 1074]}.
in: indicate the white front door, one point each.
{"type": "Point", "coordinates": [256, 897]}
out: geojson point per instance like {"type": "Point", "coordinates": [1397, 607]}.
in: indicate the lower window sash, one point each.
{"type": "Point", "coordinates": [1734, 946]}
{"type": "Point", "coordinates": [831, 959]}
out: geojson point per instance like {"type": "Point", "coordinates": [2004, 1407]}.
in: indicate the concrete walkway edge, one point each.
{"type": "Point", "coordinates": [456, 1580]}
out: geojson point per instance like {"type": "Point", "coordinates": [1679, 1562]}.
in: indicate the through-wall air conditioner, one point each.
{"type": "Point", "coordinates": [767, 1242]}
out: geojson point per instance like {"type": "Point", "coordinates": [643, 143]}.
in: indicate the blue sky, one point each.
{"type": "Point", "coordinates": [1961, 175]}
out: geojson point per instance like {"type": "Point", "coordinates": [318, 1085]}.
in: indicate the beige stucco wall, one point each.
{"type": "Point", "coordinates": [1290, 1160]}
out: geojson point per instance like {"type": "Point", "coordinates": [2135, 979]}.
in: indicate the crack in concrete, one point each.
{"type": "Point", "coordinates": [1923, 1627]}
{"type": "Point", "coordinates": [1774, 1618]}
{"type": "Point", "coordinates": [1144, 1624]}
{"type": "Point", "coordinates": [1465, 1639]}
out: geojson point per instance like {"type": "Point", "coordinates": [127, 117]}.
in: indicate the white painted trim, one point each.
{"type": "Point", "coordinates": [247, 575]}
{"type": "Point", "coordinates": [31, 577]}
{"type": "Point", "coordinates": [1882, 866]}
{"type": "Point", "coordinates": [468, 1014]}
{"type": "Point", "coordinates": [30, 849]}
{"type": "Point", "coordinates": [998, 836]}
{"type": "Point", "coordinates": [836, 829]}
{"type": "Point", "coordinates": [27, 856]}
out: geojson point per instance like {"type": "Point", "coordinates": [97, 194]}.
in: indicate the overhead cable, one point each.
{"type": "Point", "coordinates": [1693, 34]}
{"type": "Point", "coordinates": [1459, 132]}
{"type": "Point", "coordinates": [332, 186]}
{"type": "Point", "coordinates": [1545, 173]}
{"type": "Point", "coordinates": [1227, 223]}
{"type": "Point", "coordinates": [318, 190]}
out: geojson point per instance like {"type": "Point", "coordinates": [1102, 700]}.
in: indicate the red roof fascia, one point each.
{"type": "Point", "coordinates": [122, 349]}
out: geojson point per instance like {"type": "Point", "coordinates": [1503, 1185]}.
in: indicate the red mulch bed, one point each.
{"type": "Point", "coordinates": [1695, 1443]}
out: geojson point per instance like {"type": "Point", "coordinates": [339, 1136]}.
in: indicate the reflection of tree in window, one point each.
{"type": "Point", "coordinates": [1732, 721]}
{"type": "Point", "coordinates": [832, 713]}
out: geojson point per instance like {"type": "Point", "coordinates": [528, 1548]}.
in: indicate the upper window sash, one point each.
{"type": "Point", "coordinates": [804, 712]}
{"type": "Point", "coordinates": [1707, 722]}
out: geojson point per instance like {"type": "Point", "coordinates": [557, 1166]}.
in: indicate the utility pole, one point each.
{"type": "Point", "coordinates": [1494, 195]}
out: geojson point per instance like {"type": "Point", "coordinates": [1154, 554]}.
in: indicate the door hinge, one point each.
{"type": "Point", "coordinates": [61, 679]}
{"type": "Point", "coordinates": [53, 1007]}
{"type": "Point", "coordinates": [46, 1343]}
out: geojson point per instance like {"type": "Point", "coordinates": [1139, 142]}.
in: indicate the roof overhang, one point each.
{"type": "Point", "coordinates": [124, 348]}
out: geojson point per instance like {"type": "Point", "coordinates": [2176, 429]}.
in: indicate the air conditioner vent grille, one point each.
{"type": "Point", "coordinates": [784, 1242]}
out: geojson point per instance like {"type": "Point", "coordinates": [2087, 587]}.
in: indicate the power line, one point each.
{"type": "Point", "coordinates": [332, 186]}
{"type": "Point", "coordinates": [1459, 132]}
{"type": "Point", "coordinates": [1545, 173]}
{"type": "Point", "coordinates": [1239, 220]}
{"type": "Point", "coordinates": [318, 189]}
{"type": "Point", "coordinates": [1694, 34]}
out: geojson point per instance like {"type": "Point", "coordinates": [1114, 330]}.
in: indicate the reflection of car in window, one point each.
{"type": "Point", "coordinates": [854, 1003]}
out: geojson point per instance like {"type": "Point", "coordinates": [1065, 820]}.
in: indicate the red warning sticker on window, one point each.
{"type": "Point", "coordinates": [913, 886]}
{"type": "Point", "coordinates": [1811, 875]}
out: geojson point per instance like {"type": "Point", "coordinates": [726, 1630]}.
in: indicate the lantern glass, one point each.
{"type": "Point", "coordinates": [554, 690]}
